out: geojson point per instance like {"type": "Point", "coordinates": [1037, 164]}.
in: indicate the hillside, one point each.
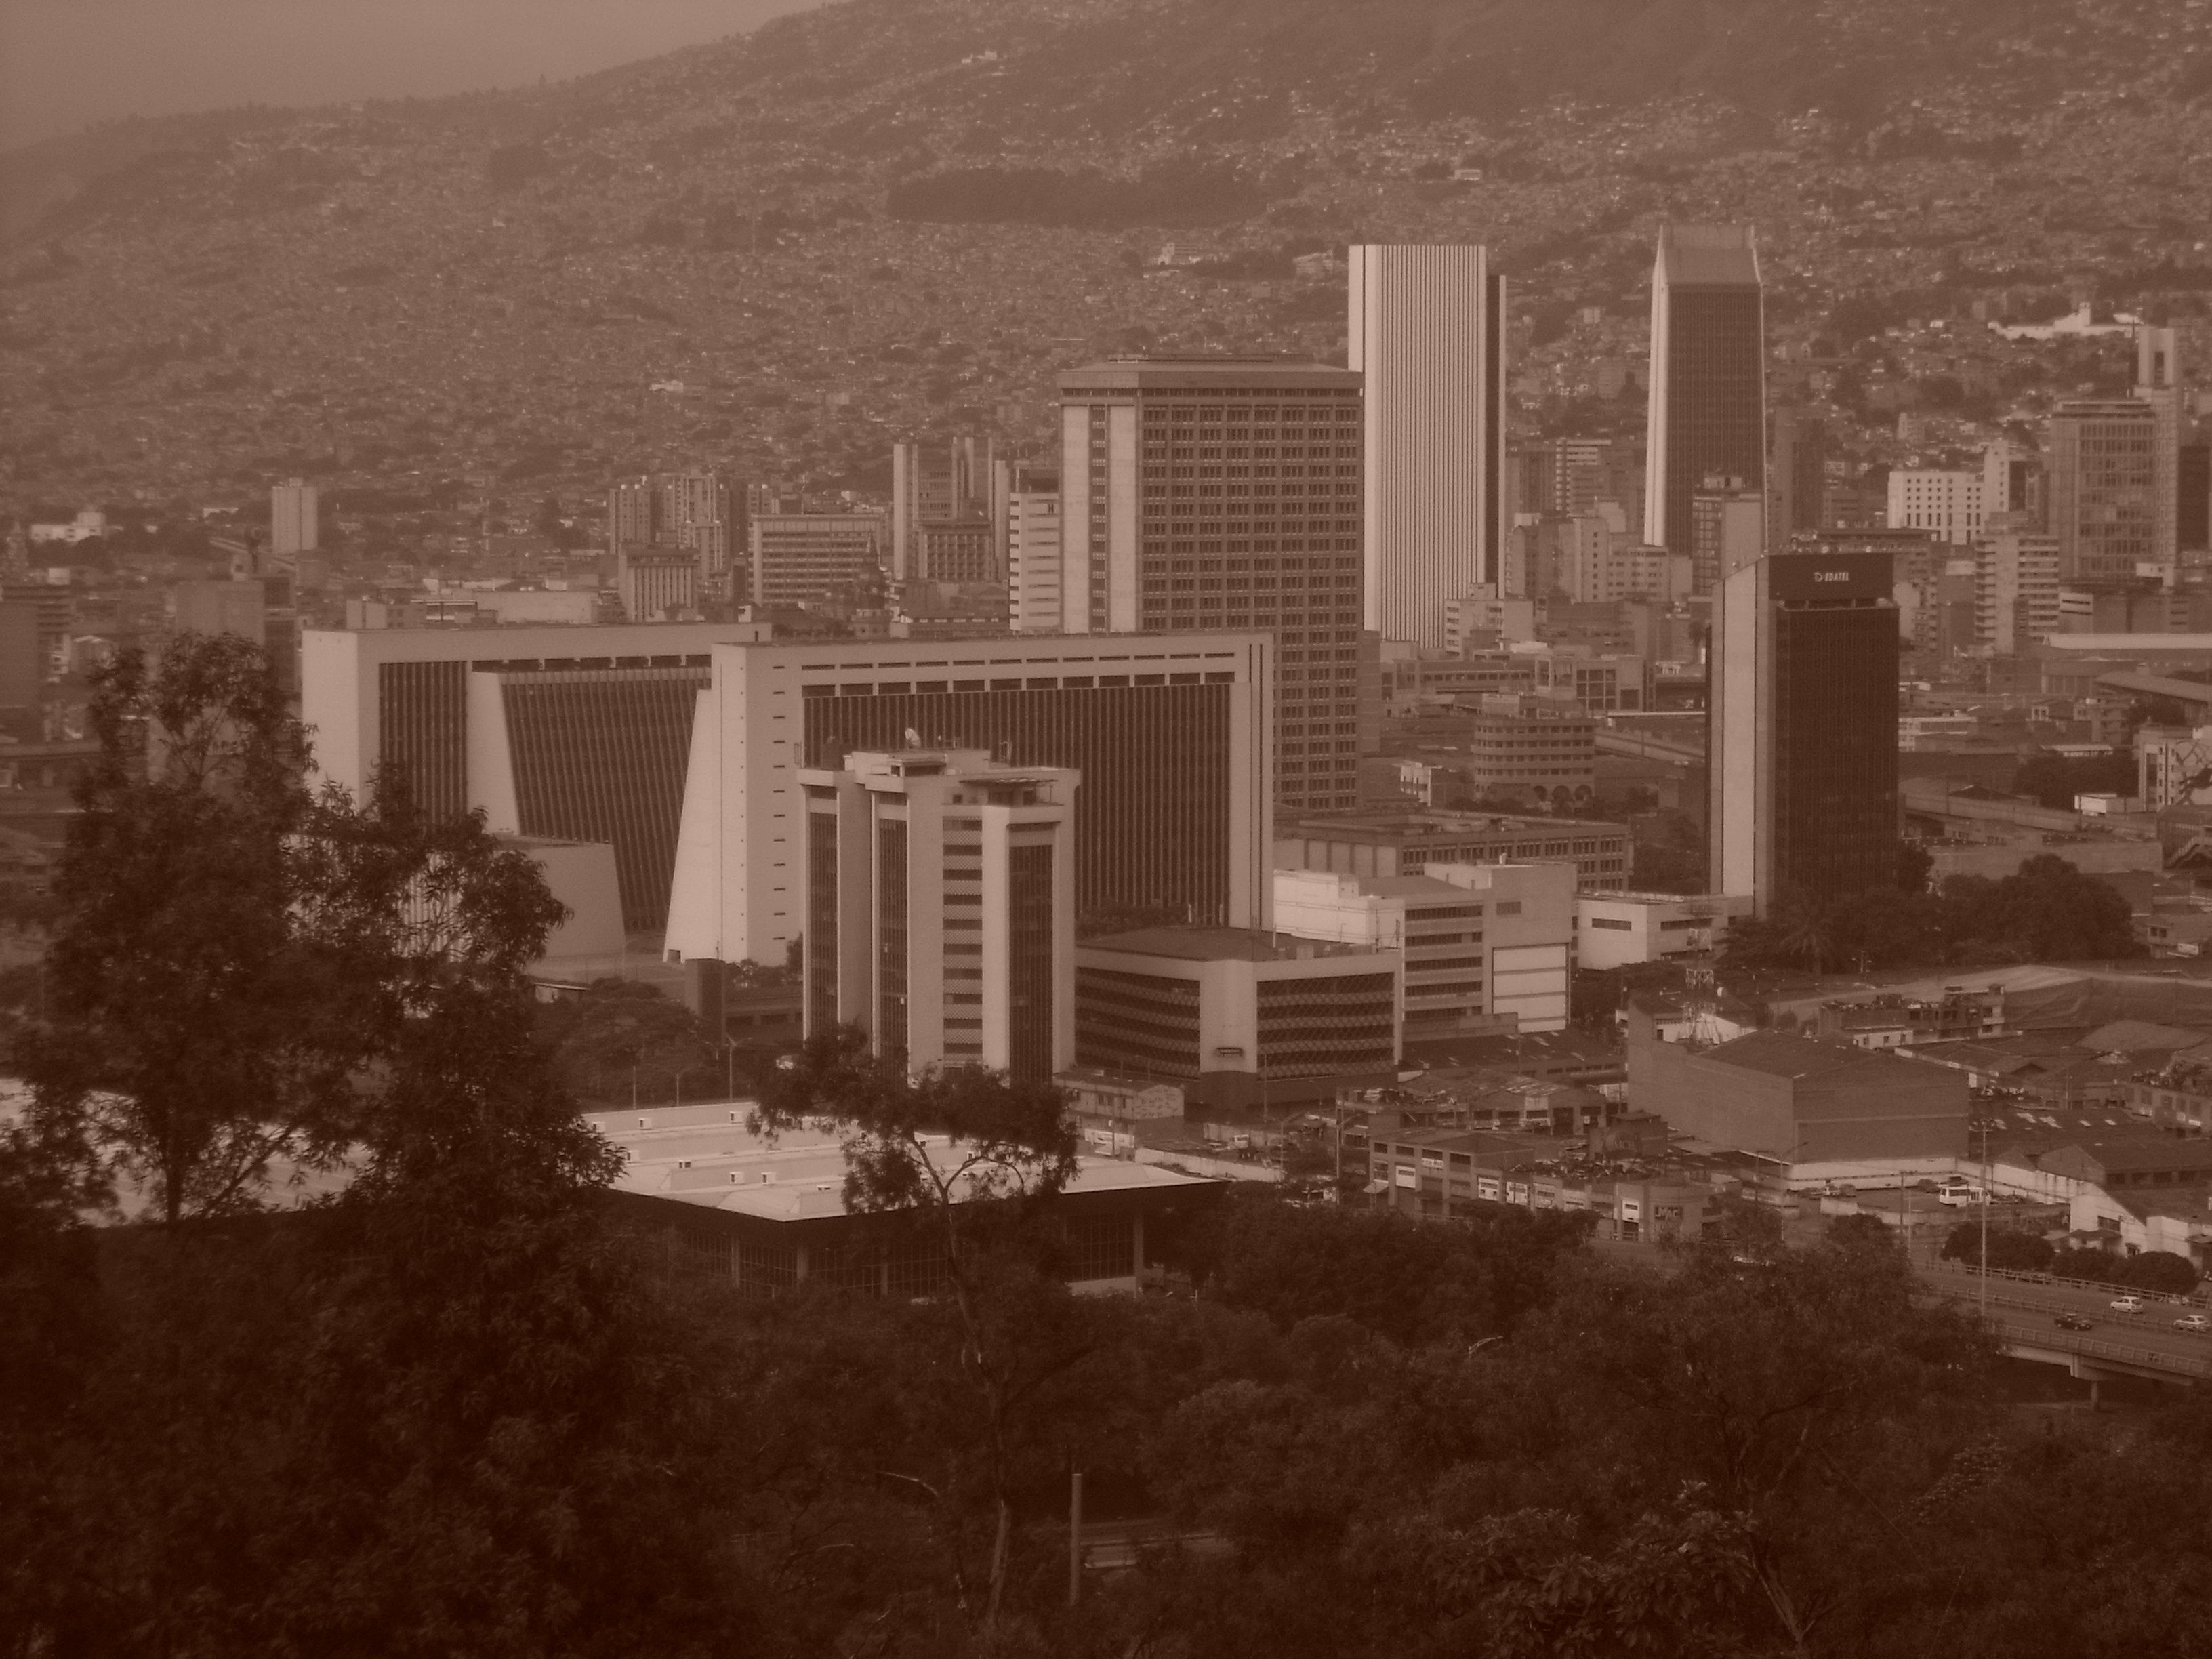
{"type": "Point", "coordinates": [889, 212]}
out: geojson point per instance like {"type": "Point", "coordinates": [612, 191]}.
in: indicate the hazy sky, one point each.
{"type": "Point", "coordinates": [65, 63]}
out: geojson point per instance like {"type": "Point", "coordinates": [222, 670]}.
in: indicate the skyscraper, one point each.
{"type": "Point", "coordinates": [944, 483]}
{"type": "Point", "coordinates": [1427, 332]}
{"type": "Point", "coordinates": [940, 908]}
{"type": "Point", "coordinates": [2101, 490]}
{"type": "Point", "coordinates": [1797, 477]}
{"type": "Point", "coordinates": [1708, 409]}
{"type": "Point", "coordinates": [1224, 493]}
{"type": "Point", "coordinates": [292, 514]}
{"type": "Point", "coordinates": [1802, 728]}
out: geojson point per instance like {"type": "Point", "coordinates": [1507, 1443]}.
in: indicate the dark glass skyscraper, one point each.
{"type": "Point", "coordinates": [1802, 727]}
{"type": "Point", "coordinates": [1708, 409]}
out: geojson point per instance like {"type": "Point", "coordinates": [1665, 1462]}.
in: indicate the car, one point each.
{"type": "Point", "coordinates": [2193, 1323]}
{"type": "Point", "coordinates": [2127, 1304]}
{"type": "Point", "coordinates": [2073, 1323]}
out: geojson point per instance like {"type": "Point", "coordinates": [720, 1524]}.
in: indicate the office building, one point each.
{"type": "Point", "coordinates": [1212, 493]}
{"type": "Point", "coordinates": [657, 587]}
{"type": "Point", "coordinates": [2012, 484]}
{"type": "Point", "coordinates": [564, 732]}
{"type": "Point", "coordinates": [1568, 477]}
{"type": "Point", "coordinates": [1618, 930]}
{"type": "Point", "coordinates": [1238, 1019]}
{"type": "Point", "coordinates": [292, 510]}
{"type": "Point", "coordinates": [1033, 556]}
{"type": "Point", "coordinates": [1797, 477]}
{"type": "Point", "coordinates": [1727, 530]}
{"type": "Point", "coordinates": [1801, 725]}
{"type": "Point", "coordinates": [634, 514]}
{"type": "Point", "coordinates": [940, 908]}
{"type": "Point", "coordinates": [1488, 948]}
{"type": "Point", "coordinates": [54, 604]}
{"type": "Point", "coordinates": [936, 484]}
{"type": "Point", "coordinates": [1708, 396]}
{"type": "Point", "coordinates": [2192, 513]}
{"type": "Point", "coordinates": [23, 666]}
{"type": "Point", "coordinates": [1427, 333]}
{"type": "Point", "coordinates": [1531, 755]}
{"type": "Point", "coordinates": [1170, 735]}
{"type": "Point", "coordinates": [1948, 505]}
{"type": "Point", "coordinates": [2016, 592]}
{"type": "Point", "coordinates": [965, 551]}
{"type": "Point", "coordinates": [794, 557]}
{"type": "Point", "coordinates": [1396, 842]}
{"type": "Point", "coordinates": [2158, 385]}
{"type": "Point", "coordinates": [239, 608]}
{"type": "Point", "coordinates": [2102, 488]}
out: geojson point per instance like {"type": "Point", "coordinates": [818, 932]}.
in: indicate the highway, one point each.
{"type": "Point", "coordinates": [2028, 1312]}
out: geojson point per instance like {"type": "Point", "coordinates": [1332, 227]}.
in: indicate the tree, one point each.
{"type": "Point", "coordinates": [2014, 1251]}
{"type": "Point", "coordinates": [1804, 933]}
{"type": "Point", "coordinates": [624, 1039]}
{"type": "Point", "coordinates": [192, 1040]}
{"type": "Point", "coordinates": [965, 1157]}
{"type": "Point", "coordinates": [2054, 780]}
{"type": "Point", "coordinates": [2046, 911]}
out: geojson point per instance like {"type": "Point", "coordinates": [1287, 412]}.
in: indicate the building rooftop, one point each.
{"type": "Point", "coordinates": [1779, 1055]}
{"type": "Point", "coordinates": [1126, 374]}
{"type": "Point", "coordinates": [1393, 826]}
{"type": "Point", "coordinates": [708, 1155]}
{"type": "Point", "coordinates": [1225, 945]}
{"type": "Point", "coordinates": [1709, 256]}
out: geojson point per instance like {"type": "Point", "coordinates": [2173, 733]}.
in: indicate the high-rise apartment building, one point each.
{"type": "Point", "coordinates": [2012, 489]}
{"type": "Point", "coordinates": [794, 557]}
{"type": "Point", "coordinates": [940, 908]}
{"type": "Point", "coordinates": [293, 508]}
{"type": "Point", "coordinates": [1223, 493]}
{"type": "Point", "coordinates": [634, 514]}
{"type": "Point", "coordinates": [2016, 592]}
{"type": "Point", "coordinates": [1427, 333]}
{"type": "Point", "coordinates": [1171, 735]}
{"type": "Point", "coordinates": [1708, 407]}
{"type": "Point", "coordinates": [2102, 491]}
{"type": "Point", "coordinates": [1033, 555]}
{"type": "Point", "coordinates": [1802, 728]}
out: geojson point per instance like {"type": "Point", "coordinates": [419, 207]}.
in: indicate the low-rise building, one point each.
{"type": "Point", "coordinates": [1890, 1021]}
{"type": "Point", "coordinates": [1798, 1100]}
{"type": "Point", "coordinates": [1444, 1174]}
{"type": "Point", "coordinates": [1239, 1018]}
{"type": "Point", "coordinates": [1487, 948]}
{"type": "Point", "coordinates": [1616, 930]}
{"type": "Point", "coordinates": [1405, 843]}
{"type": "Point", "coordinates": [769, 1215]}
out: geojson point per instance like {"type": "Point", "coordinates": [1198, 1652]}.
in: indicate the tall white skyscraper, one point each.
{"type": "Point", "coordinates": [1427, 330]}
{"type": "Point", "coordinates": [292, 510]}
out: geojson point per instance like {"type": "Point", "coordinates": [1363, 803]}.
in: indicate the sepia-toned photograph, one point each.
{"type": "Point", "coordinates": [1105, 828]}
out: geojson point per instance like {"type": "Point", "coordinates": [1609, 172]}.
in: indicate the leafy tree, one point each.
{"type": "Point", "coordinates": [1914, 864]}
{"type": "Point", "coordinates": [2015, 1252]}
{"type": "Point", "coordinates": [193, 1040]}
{"type": "Point", "coordinates": [966, 1157]}
{"type": "Point", "coordinates": [2046, 911]}
{"type": "Point", "coordinates": [2053, 780]}
{"type": "Point", "coordinates": [623, 1039]}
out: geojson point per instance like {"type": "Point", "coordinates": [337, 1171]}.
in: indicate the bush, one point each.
{"type": "Point", "coordinates": [2161, 1272]}
{"type": "Point", "coordinates": [2014, 1251]}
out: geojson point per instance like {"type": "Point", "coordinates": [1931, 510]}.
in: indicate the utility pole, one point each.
{"type": "Point", "coordinates": [1074, 1538]}
{"type": "Point", "coordinates": [1985, 1221]}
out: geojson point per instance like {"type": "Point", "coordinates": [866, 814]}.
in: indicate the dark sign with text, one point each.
{"type": "Point", "coordinates": [1803, 578]}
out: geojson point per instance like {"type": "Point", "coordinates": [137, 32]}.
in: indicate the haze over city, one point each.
{"type": "Point", "coordinates": [1107, 829]}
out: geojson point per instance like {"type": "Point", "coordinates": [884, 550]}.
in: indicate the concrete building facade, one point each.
{"type": "Point", "coordinates": [940, 896]}
{"type": "Point", "coordinates": [1427, 330]}
{"type": "Point", "coordinates": [1708, 380]}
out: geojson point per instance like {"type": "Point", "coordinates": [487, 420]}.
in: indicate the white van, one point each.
{"type": "Point", "coordinates": [1958, 1190]}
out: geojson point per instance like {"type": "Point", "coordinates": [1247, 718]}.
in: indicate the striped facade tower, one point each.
{"type": "Point", "coordinates": [1427, 330]}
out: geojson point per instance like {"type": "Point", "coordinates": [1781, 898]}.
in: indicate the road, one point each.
{"type": "Point", "coordinates": [2033, 1309]}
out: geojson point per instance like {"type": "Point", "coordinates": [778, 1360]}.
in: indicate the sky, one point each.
{"type": "Point", "coordinates": [67, 63]}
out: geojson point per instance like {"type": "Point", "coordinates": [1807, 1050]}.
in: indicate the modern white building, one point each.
{"type": "Point", "coordinates": [1033, 561]}
{"type": "Point", "coordinates": [1615, 930]}
{"type": "Point", "coordinates": [1427, 328]}
{"type": "Point", "coordinates": [1170, 732]}
{"type": "Point", "coordinates": [1950, 505]}
{"type": "Point", "coordinates": [1488, 947]}
{"type": "Point", "coordinates": [292, 515]}
{"type": "Point", "coordinates": [796, 556]}
{"type": "Point", "coordinates": [941, 895]}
